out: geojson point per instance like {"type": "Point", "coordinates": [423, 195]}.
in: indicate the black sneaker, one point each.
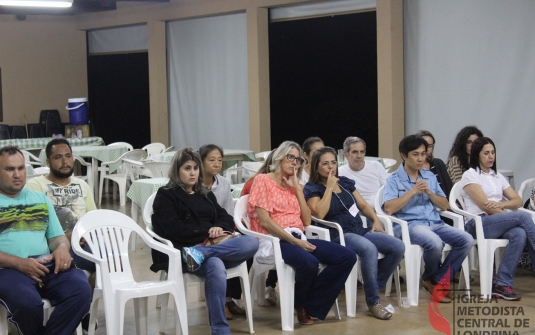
{"type": "Point", "coordinates": [505, 292]}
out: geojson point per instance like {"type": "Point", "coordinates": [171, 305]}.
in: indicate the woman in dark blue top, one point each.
{"type": "Point", "coordinates": [334, 198]}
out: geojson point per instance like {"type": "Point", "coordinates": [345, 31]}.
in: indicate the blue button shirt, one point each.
{"type": "Point", "coordinates": [420, 209]}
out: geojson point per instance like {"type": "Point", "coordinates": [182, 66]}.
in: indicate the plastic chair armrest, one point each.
{"type": "Point", "coordinates": [323, 234]}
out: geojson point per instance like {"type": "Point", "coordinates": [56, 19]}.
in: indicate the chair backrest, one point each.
{"type": "Point", "coordinates": [154, 148]}
{"type": "Point", "coordinates": [29, 158]}
{"type": "Point", "coordinates": [456, 199]}
{"type": "Point", "coordinates": [526, 185]}
{"type": "Point", "coordinates": [389, 163]}
{"type": "Point", "coordinates": [35, 130]}
{"type": "Point", "coordinates": [4, 132]}
{"type": "Point", "coordinates": [231, 174]}
{"type": "Point", "coordinates": [252, 167]}
{"type": "Point", "coordinates": [171, 148]}
{"type": "Point", "coordinates": [18, 132]}
{"type": "Point", "coordinates": [147, 218]}
{"type": "Point", "coordinates": [88, 176]}
{"type": "Point", "coordinates": [136, 155]}
{"type": "Point", "coordinates": [122, 144]}
{"type": "Point", "coordinates": [107, 233]}
{"type": "Point", "coordinates": [379, 201]}
{"type": "Point", "coordinates": [241, 218]}
{"type": "Point", "coordinates": [262, 155]}
{"type": "Point", "coordinates": [41, 170]}
{"type": "Point", "coordinates": [158, 169]}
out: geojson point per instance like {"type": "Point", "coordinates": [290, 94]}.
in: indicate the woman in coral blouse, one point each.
{"type": "Point", "coordinates": [277, 207]}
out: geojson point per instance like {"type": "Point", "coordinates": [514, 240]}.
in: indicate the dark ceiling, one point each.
{"type": "Point", "coordinates": [78, 7]}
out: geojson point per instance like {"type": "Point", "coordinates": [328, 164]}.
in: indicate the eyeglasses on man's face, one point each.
{"type": "Point", "coordinates": [292, 158]}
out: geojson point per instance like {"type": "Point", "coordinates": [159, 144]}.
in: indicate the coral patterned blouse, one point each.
{"type": "Point", "coordinates": [281, 203]}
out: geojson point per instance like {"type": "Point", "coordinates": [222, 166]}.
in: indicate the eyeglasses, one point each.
{"type": "Point", "coordinates": [292, 158]}
{"type": "Point", "coordinates": [327, 163]}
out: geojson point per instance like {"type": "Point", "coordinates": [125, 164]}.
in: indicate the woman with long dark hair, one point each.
{"type": "Point", "coordinates": [336, 199]}
{"type": "Point", "coordinates": [186, 213]}
{"type": "Point", "coordinates": [459, 157]}
{"type": "Point", "coordinates": [487, 192]}
{"type": "Point", "coordinates": [310, 145]}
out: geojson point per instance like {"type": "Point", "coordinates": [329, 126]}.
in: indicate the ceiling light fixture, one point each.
{"type": "Point", "coordinates": [36, 3]}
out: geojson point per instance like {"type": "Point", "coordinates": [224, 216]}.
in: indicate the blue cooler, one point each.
{"type": "Point", "coordinates": [78, 111]}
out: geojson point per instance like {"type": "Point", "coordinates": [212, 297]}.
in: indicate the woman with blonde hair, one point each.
{"type": "Point", "coordinates": [277, 207]}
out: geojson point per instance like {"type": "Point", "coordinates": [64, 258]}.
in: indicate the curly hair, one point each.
{"type": "Point", "coordinates": [458, 149]}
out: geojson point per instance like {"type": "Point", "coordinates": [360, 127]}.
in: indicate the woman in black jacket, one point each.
{"type": "Point", "coordinates": [187, 213]}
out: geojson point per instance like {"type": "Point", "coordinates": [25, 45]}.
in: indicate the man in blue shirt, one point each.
{"type": "Point", "coordinates": [29, 228]}
{"type": "Point", "coordinates": [412, 194]}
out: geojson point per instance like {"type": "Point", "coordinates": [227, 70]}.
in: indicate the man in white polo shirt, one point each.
{"type": "Point", "coordinates": [369, 176]}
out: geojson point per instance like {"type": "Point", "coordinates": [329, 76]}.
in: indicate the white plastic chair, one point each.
{"type": "Point", "coordinates": [238, 271]}
{"type": "Point", "coordinates": [128, 146]}
{"type": "Point", "coordinates": [154, 148]}
{"type": "Point", "coordinates": [30, 158]}
{"type": "Point", "coordinates": [285, 273]}
{"type": "Point", "coordinates": [262, 156]}
{"type": "Point", "coordinates": [171, 148]}
{"type": "Point", "coordinates": [232, 174]}
{"type": "Point", "coordinates": [47, 310]}
{"type": "Point", "coordinates": [122, 174]}
{"type": "Point", "coordinates": [414, 253]}
{"type": "Point", "coordinates": [351, 282]}
{"type": "Point", "coordinates": [389, 163]}
{"type": "Point", "coordinates": [156, 169]}
{"type": "Point", "coordinates": [40, 171]}
{"type": "Point", "coordinates": [88, 176]}
{"type": "Point", "coordinates": [526, 185]}
{"type": "Point", "coordinates": [107, 233]}
{"type": "Point", "coordinates": [251, 168]}
{"type": "Point", "coordinates": [486, 247]}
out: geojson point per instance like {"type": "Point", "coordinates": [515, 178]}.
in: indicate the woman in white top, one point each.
{"type": "Point", "coordinates": [212, 161]}
{"type": "Point", "coordinates": [310, 145]}
{"type": "Point", "coordinates": [483, 191]}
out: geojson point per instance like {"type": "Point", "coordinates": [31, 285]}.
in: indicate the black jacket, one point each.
{"type": "Point", "coordinates": [174, 218]}
{"type": "Point", "coordinates": [439, 169]}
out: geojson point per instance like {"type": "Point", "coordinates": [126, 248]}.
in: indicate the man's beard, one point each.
{"type": "Point", "coordinates": [59, 174]}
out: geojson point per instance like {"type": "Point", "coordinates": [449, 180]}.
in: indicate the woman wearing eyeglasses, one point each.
{"type": "Point", "coordinates": [336, 199]}
{"type": "Point", "coordinates": [277, 207]}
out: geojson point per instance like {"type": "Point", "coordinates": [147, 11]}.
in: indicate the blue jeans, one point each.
{"type": "Point", "coordinates": [82, 263]}
{"type": "Point", "coordinates": [315, 292]}
{"type": "Point", "coordinates": [68, 291]}
{"type": "Point", "coordinates": [432, 237]}
{"type": "Point", "coordinates": [218, 258]}
{"type": "Point", "coordinates": [517, 227]}
{"type": "Point", "coordinates": [375, 274]}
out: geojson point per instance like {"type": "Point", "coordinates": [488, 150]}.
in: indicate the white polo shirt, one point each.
{"type": "Point", "coordinates": [368, 180]}
{"type": "Point", "coordinates": [492, 183]}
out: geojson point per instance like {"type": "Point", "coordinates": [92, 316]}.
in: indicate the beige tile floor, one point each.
{"type": "Point", "coordinates": [413, 320]}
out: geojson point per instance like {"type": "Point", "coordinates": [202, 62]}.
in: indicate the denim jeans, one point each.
{"type": "Point", "coordinates": [218, 258]}
{"type": "Point", "coordinates": [315, 292]}
{"type": "Point", "coordinates": [432, 238]}
{"type": "Point", "coordinates": [518, 228]}
{"type": "Point", "coordinates": [375, 274]}
{"type": "Point", "coordinates": [68, 291]}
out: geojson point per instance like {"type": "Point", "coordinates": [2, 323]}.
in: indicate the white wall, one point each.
{"type": "Point", "coordinates": [472, 62]}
